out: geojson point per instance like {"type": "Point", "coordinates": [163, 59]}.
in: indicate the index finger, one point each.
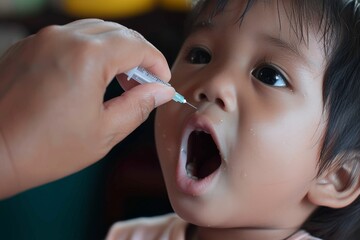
{"type": "Point", "coordinates": [125, 48]}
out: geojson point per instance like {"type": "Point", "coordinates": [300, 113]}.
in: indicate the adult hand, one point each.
{"type": "Point", "coordinates": [53, 120]}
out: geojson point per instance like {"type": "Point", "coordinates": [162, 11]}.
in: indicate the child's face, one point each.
{"type": "Point", "coordinates": [258, 90]}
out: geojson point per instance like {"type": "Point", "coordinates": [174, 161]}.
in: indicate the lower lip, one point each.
{"type": "Point", "coordinates": [190, 186]}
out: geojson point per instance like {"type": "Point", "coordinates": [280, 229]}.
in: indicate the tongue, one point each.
{"type": "Point", "coordinates": [203, 155]}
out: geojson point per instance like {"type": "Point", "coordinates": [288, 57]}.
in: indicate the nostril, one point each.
{"type": "Point", "coordinates": [220, 102]}
{"type": "Point", "coordinates": [203, 97]}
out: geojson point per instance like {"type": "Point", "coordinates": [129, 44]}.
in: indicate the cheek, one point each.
{"type": "Point", "coordinates": [291, 151]}
{"type": "Point", "coordinates": [167, 133]}
{"type": "Point", "coordinates": [279, 160]}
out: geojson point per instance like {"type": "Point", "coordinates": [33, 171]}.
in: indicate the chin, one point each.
{"type": "Point", "coordinates": [196, 210]}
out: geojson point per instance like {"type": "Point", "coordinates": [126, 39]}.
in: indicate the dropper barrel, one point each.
{"type": "Point", "coordinates": [142, 76]}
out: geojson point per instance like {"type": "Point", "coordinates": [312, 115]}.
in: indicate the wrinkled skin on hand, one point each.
{"type": "Point", "coordinates": [53, 120]}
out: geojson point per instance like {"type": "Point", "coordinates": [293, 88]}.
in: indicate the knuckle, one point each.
{"type": "Point", "coordinates": [134, 34]}
{"type": "Point", "coordinates": [48, 31]}
{"type": "Point", "coordinates": [130, 34]}
{"type": "Point", "coordinates": [86, 44]}
{"type": "Point", "coordinates": [114, 25]}
{"type": "Point", "coordinates": [84, 48]}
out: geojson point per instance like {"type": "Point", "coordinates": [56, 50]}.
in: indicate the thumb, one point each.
{"type": "Point", "coordinates": [125, 113]}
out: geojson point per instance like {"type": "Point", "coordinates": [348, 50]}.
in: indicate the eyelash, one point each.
{"type": "Point", "coordinates": [271, 69]}
{"type": "Point", "coordinates": [192, 56]}
{"type": "Point", "coordinates": [193, 59]}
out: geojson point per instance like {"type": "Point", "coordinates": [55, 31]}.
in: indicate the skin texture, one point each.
{"type": "Point", "coordinates": [268, 136]}
{"type": "Point", "coordinates": [53, 120]}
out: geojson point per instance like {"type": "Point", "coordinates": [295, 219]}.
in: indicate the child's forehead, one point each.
{"type": "Point", "coordinates": [264, 26]}
{"type": "Point", "coordinates": [298, 21]}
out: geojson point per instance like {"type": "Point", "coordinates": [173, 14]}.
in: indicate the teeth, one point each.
{"type": "Point", "coordinates": [190, 168]}
{"type": "Point", "coordinates": [193, 177]}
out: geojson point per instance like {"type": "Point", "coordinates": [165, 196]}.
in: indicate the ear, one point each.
{"type": "Point", "coordinates": [339, 186]}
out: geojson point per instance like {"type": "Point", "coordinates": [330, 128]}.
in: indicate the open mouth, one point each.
{"type": "Point", "coordinates": [203, 156]}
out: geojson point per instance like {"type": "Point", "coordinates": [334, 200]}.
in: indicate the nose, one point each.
{"type": "Point", "coordinates": [219, 89]}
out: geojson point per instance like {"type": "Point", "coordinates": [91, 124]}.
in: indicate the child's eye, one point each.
{"type": "Point", "coordinates": [198, 55]}
{"type": "Point", "coordinates": [270, 76]}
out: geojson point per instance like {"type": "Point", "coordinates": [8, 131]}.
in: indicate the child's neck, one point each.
{"type": "Point", "coordinates": [203, 233]}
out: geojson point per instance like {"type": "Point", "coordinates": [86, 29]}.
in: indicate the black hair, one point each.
{"type": "Point", "coordinates": [339, 23]}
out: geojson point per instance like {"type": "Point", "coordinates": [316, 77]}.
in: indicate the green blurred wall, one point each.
{"type": "Point", "coordinates": [70, 208]}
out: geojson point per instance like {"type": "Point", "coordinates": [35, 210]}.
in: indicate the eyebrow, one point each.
{"type": "Point", "coordinates": [279, 43]}
{"type": "Point", "coordinates": [274, 41]}
{"type": "Point", "coordinates": [201, 25]}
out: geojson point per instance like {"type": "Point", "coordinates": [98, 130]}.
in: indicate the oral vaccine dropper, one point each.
{"type": "Point", "coordinates": [142, 76]}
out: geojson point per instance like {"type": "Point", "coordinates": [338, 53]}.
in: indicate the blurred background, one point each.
{"type": "Point", "coordinates": [127, 183]}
